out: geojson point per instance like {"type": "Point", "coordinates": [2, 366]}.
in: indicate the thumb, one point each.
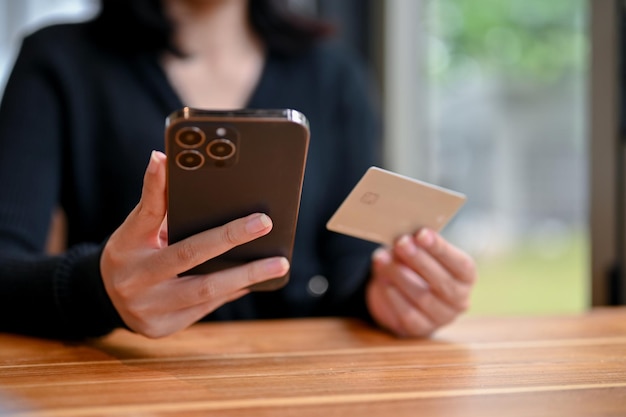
{"type": "Point", "coordinates": [146, 218]}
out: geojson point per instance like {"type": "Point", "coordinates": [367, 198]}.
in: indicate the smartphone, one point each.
{"type": "Point", "coordinates": [223, 165]}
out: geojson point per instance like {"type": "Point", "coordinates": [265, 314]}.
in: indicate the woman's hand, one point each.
{"type": "Point", "coordinates": [140, 271]}
{"type": "Point", "coordinates": [421, 284]}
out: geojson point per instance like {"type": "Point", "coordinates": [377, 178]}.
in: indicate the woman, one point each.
{"type": "Point", "coordinates": [85, 106]}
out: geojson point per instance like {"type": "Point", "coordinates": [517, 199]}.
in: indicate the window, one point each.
{"type": "Point", "coordinates": [489, 97]}
{"type": "Point", "coordinates": [23, 16]}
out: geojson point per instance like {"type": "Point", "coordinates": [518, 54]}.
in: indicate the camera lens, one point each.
{"type": "Point", "coordinates": [190, 137]}
{"type": "Point", "coordinates": [190, 160]}
{"type": "Point", "coordinates": [220, 149]}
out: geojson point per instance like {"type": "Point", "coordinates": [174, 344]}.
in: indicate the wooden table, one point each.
{"type": "Point", "coordinates": [542, 366]}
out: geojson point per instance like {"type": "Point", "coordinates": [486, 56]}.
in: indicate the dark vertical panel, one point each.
{"type": "Point", "coordinates": [606, 153]}
{"type": "Point", "coordinates": [617, 286]}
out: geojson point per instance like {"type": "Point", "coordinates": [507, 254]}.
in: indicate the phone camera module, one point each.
{"type": "Point", "coordinates": [221, 149]}
{"type": "Point", "coordinates": [190, 137]}
{"type": "Point", "coordinates": [189, 160]}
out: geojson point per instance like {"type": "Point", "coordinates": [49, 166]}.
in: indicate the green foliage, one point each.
{"type": "Point", "coordinates": [543, 40]}
{"type": "Point", "coordinates": [524, 281]}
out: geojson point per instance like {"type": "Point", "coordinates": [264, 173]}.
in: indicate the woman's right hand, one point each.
{"type": "Point", "coordinates": [140, 271]}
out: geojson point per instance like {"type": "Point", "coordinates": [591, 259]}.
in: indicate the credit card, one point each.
{"type": "Point", "coordinates": [385, 205]}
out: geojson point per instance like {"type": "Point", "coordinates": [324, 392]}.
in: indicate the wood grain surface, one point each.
{"type": "Point", "coordinates": [510, 366]}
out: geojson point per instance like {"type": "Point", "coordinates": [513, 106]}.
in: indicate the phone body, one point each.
{"type": "Point", "coordinates": [223, 165]}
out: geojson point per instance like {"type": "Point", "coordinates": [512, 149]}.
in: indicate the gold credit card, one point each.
{"type": "Point", "coordinates": [385, 205]}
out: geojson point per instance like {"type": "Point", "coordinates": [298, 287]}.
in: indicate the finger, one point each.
{"type": "Point", "coordinates": [412, 321]}
{"type": "Point", "coordinates": [215, 289]}
{"type": "Point", "coordinates": [382, 259]}
{"type": "Point", "coordinates": [378, 303]}
{"type": "Point", "coordinates": [440, 280]}
{"type": "Point", "coordinates": [181, 319]}
{"type": "Point", "coordinates": [163, 233]}
{"type": "Point", "coordinates": [414, 289]}
{"type": "Point", "coordinates": [459, 263]}
{"type": "Point", "coordinates": [184, 255]}
{"type": "Point", "coordinates": [197, 312]}
{"type": "Point", "coordinates": [146, 218]}
{"type": "Point", "coordinates": [433, 307]}
{"type": "Point", "coordinates": [184, 301]}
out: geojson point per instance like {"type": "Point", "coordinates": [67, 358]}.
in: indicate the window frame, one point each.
{"type": "Point", "coordinates": [607, 171]}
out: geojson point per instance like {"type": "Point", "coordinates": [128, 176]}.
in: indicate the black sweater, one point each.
{"type": "Point", "coordinates": [77, 124]}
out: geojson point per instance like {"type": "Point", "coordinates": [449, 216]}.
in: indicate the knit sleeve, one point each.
{"type": "Point", "coordinates": [56, 296]}
{"type": "Point", "coordinates": [59, 297]}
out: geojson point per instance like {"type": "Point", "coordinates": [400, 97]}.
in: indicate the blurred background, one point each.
{"type": "Point", "coordinates": [487, 97]}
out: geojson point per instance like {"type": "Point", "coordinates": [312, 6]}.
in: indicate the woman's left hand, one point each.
{"type": "Point", "coordinates": [419, 285]}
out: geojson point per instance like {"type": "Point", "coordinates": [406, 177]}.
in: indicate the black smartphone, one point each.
{"type": "Point", "coordinates": [223, 165]}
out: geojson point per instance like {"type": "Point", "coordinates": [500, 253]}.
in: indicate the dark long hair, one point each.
{"type": "Point", "coordinates": [135, 26]}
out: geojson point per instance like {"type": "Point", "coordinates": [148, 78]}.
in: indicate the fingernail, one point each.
{"type": "Point", "coordinates": [153, 164]}
{"type": "Point", "coordinates": [258, 223]}
{"type": "Point", "coordinates": [405, 245]}
{"type": "Point", "coordinates": [425, 237]}
{"type": "Point", "coordinates": [379, 255]}
{"type": "Point", "coordinates": [276, 266]}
